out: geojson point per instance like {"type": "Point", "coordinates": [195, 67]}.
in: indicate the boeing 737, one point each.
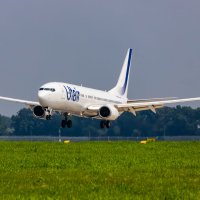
{"type": "Point", "coordinates": [69, 99]}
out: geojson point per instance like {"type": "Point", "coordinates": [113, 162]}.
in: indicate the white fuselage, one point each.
{"type": "Point", "coordinates": [73, 99]}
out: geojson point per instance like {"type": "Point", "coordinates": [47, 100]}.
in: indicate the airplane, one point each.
{"type": "Point", "coordinates": [69, 99]}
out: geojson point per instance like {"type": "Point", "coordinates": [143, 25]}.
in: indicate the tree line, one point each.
{"type": "Point", "coordinates": [178, 121]}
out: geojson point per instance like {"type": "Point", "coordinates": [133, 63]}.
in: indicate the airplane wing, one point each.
{"type": "Point", "coordinates": [134, 107]}
{"type": "Point", "coordinates": [149, 100]}
{"type": "Point", "coordinates": [27, 103]}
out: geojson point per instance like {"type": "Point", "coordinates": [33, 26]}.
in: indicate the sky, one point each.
{"type": "Point", "coordinates": [85, 42]}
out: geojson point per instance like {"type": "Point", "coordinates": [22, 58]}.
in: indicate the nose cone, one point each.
{"type": "Point", "coordinates": [43, 98]}
{"type": "Point", "coordinates": [48, 94]}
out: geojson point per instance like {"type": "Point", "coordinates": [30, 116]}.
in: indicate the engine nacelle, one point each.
{"type": "Point", "coordinates": [108, 112]}
{"type": "Point", "coordinates": [39, 112]}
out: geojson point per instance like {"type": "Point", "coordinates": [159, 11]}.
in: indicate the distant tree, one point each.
{"type": "Point", "coordinates": [25, 124]}
{"type": "Point", "coordinates": [167, 121]}
{"type": "Point", "coordinates": [5, 125]}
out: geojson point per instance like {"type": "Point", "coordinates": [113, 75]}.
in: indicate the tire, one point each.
{"type": "Point", "coordinates": [48, 117]}
{"type": "Point", "coordinates": [102, 124]}
{"type": "Point", "coordinates": [69, 123]}
{"type": "Point", "coordinates": [108, 124]}
{"type": "Point", "coordinates": [63, 123]}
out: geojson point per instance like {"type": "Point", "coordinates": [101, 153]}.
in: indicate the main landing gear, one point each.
{"type": "Point", "coordinates": [66, 122]}
{"type": "Point", "coordinates": [105, 124]}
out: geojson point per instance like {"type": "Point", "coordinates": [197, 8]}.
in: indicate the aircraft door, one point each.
{"type": "Point", "coordinates": [63, 93]}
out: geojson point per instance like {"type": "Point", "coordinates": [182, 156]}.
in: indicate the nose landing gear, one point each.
{"type": "Point", "coordinates": [48, 117]}
{"type": "Point", "coordinates": [48, 113]}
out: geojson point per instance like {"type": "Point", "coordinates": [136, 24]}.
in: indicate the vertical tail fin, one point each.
{"type": "Point", "coordinates": [121, 88]}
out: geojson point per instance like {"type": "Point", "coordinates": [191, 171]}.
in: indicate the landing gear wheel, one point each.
{"type": "Point", "coordinates": [48, 117]}
{"type": "Point", "coordinates": [63, 123]}
{"type": "Point", "coordinates": [69, 123]}
{"type": "Point", "coordinates": [107, 124]}
{"type": "Point", "coordinates": [102, 124]}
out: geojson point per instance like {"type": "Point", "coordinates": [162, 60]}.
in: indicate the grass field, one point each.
{"type": "Point", "coordinates": [99, 170]}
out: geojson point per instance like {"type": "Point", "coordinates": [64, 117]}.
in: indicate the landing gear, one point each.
{"type": "Point", "coordinates": [48, 117]}
{"type": "Point", "coordinates": [48, 113]}
{"type": "Point", "coordinates": [66, 122]}
{"type": "Point", "coordinates": [105, 124]}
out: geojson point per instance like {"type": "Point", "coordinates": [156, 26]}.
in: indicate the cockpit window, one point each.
{"type": "Point", "coordinates": [48, 89]}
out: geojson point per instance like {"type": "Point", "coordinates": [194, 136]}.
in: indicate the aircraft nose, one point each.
{"type": "Point", "coordinates": [43, 98]}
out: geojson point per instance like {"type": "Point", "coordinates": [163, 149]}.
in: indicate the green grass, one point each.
{"type": "Point", "coordinates": [99, 170]}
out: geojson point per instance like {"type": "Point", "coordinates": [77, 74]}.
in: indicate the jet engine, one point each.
{"type": "Point", "coordinates": [108, 112]}
{"type": "Point", "coordinates": [39, 112]}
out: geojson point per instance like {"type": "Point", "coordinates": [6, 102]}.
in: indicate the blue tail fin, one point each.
{"type": "Point", "coordinates": [121, 88]}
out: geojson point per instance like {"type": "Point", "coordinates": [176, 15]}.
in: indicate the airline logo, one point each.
{"type": "Point", "coordinates": [72, 94]}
